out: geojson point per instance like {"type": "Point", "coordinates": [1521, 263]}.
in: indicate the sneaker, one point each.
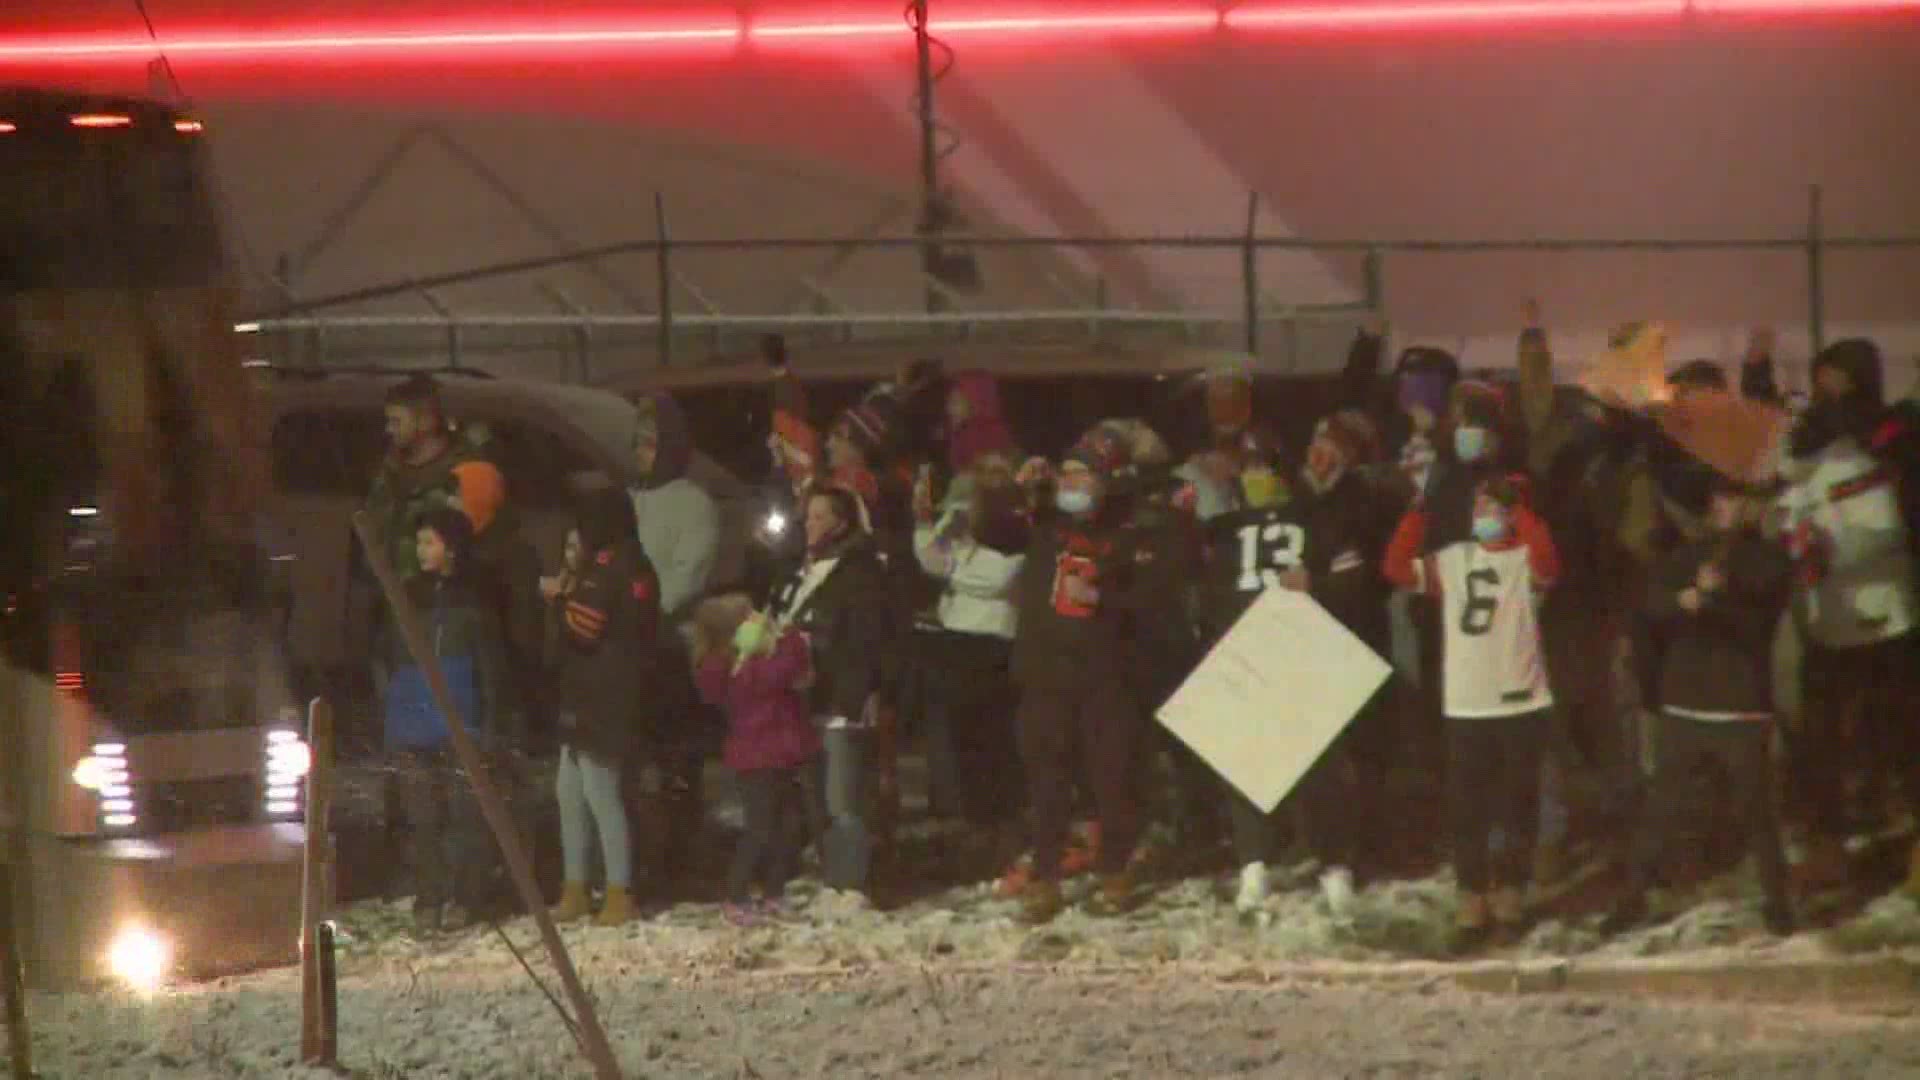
{"type": "Point", "coordinates": [1016, 879]}
{"type": "Point", "coordinates": [1337, 886]}
{"type": "Point", "coordinates": [1253, 888]}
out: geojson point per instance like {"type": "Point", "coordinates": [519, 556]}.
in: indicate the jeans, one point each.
{"type": "Point", "coordinates": [1101, 724]}
{"type": "Point", "coordinates": [843, 791]}
{"type": "Point", "coordinates": [588, 791]}
{"type": "Point", "coordinates": [766, 853]}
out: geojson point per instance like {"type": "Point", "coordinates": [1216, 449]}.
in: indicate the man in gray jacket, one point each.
{"type": "Point", "coordinates": [679, 523]}
{"type": "Point", "coordinates": [679, 527]}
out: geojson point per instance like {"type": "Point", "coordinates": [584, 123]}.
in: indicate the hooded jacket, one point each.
{"type": "Point", "coordinates": [608, 649]}
{"type": "Point", "coordinates": [465, 636]}
{"type": "Point", "coordinates": [985, 430]}
{"type": "Point", "coordinates": [678, 521]}
{"type": "Point", "coordinates": [838, 598]}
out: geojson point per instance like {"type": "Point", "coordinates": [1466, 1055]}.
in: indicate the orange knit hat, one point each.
{"type": "Point", "coordinates": [483, 491]}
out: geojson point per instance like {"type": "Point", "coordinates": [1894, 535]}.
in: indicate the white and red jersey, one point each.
{"type": "Point", "coordinates": [1844, 522]}
{"type": "Point", "coordinates": [1492, 660]}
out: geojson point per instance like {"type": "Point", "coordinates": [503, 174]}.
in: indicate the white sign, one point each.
{"type": "Point", "coordinates": [1273, 694]}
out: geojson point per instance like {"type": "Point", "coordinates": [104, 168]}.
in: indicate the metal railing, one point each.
{"type": "Point", "coordinates": [671, 329]}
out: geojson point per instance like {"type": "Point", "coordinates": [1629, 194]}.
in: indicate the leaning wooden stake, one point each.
{"type": "Point", "coordinates": [314, 1049]}
{"type": "Point", "coordinates": [12, 985]}
{"type": "Point", "coordinates": [593, 1038]}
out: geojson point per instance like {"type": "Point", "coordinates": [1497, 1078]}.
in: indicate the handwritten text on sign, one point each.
{"type": "Point", "coordinates": [1273, 695]}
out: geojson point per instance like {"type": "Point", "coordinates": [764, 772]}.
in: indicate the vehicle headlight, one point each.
{"type": "Point", "coordinates": [288, 761]}
{"type": "Point", "coordinates": [775, 523]}
{"type": "Point", "coordinates": [140, 958]}
{"type": "Point", "coordinates": [104, 772]}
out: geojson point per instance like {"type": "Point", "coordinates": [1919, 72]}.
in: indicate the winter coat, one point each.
{"type": "Point", "coordinates": [1718, 660]}
{"type": "Point", "coordinates": [402, 493]}
{"type": "Point", "coordinates": [978, 594]}
{"type": "Point", "coordinates": [985, 430]}
{"type": "Point", "coordinates": [465, 636]}
{"type": "Point", "coordinates": [768, 726]}
{"type": "Point", "coordinates": [1844, 520]}
{"type": "Point", "coordinates": [609, 664]}
{"type": "Point", "coordinates": [679, 522]}
{"type": "Point", "coordinates": [1063, 644]}
{"type": "Point", "coordinates": [839, 600]}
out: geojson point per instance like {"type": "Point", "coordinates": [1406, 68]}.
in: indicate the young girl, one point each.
{"type": "Point", "coordinates": [1493, 685]}
{"type": "Point", "coordinates": [608, 673]}
{"type": "Point", "coordinates": [760, 677]}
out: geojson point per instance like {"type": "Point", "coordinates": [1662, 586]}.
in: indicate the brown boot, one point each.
{"type": "Point", "coordinates": [574, 903]}
{"type": "Point", "coordinates": [1507, 907]}
{"type": "Point", "coordinates": [1040, 902]}
{"type": "Point", "coordinates": [1115, 896]}
{"type": "Point", "coordinates": [1474, 915]}
{"type": "Point", "coordinates": [618, 908]}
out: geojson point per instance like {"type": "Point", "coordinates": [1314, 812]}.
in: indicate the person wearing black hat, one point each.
{"type": "Point", "coordinates": [1072, 648]}
{"type": "Point", "coordinates": [1718, 598]}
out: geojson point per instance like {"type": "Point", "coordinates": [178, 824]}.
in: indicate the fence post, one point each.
{"type": "Point", "coordinates": [1816, 280]}
{"type": "Point", "coordinates": [664, 268]}
{"type": "Point", "coordinates": [1250, 275]}
{"type": "Point", "coordinates": [316, 877]}
{"type": "Point", "coordinates": [1374, 283]}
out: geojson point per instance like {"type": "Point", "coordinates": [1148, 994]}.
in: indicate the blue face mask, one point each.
{"type": "Point", "coordinates": [1073, 500]}
{"type": "Point", "coordinates": [1489, 530]}
{"type": "Point", "coordinates": [1471, 444]}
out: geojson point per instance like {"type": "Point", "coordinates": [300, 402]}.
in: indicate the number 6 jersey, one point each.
{"type": "Point", "coordinates": [1492, 662]}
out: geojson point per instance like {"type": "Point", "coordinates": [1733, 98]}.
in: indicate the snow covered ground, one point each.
{"type": "Point", "coordinates": [953, 986]}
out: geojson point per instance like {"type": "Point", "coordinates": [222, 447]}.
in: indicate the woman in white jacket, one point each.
{"type": "Point", "coordinates": [974, 544]}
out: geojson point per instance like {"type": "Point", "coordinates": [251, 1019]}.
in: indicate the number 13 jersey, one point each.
{"type": "Point", "coordinates": [1492, 662]}
{"type": "Point", "coordinates": [1247, 552]}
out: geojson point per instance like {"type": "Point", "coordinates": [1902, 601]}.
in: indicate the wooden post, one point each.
{"type": "Point", "coordinates": [328, 1043]}
{"type": "Point", "coordinates": [19, 1038]}
{"type": "Point", "coordinates": [593, 1038]}
{"type": "Point", "coordinates": [315, 879]}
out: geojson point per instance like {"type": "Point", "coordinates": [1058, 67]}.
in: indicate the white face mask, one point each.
{"type": "Point", "coordinates": [1073, 500]}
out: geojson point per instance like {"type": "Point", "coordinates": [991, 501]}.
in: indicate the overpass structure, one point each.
{"type": "Point", "coordinates": [586, 194]}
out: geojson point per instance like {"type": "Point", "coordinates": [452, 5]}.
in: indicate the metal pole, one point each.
{"type": "Point", "coordinates": [1250, 274]}
{"type": "Point", "coordinates": [316, 859]}
{"type": "Point", "coordinates": [664, 269]}
{"type": "Point", "coordinates": [593, 1038]}
{"type": "Point", "coordinates": [1816, 278]}
{"type": "Point", "coordinates": [1374, 280]}
{"type": "Point", "coordinates": [931, 213]}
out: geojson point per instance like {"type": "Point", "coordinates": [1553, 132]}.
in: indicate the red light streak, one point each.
{"type": "Point", "coordinates": [100, 120]}
{"type": "Point", "coordinates": [654, 35]}
{"type": "Point", "coordinates": [7, 128]}
{"type": "Point", "coordinates": [189, 127]}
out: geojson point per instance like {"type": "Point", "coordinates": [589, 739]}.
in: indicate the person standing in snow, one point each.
{"type": "Point", "coordinates": [837, 597]}
{"type": "Point", "coordinates": [607, 661]}
{"type": "Point", "coordinates": [467, 643]}
{"type": "Point", "coordinates": [1494, 688]}
{"type": "Point", "coordinates": [760, 677]}
{"type": "Point", "coordinates": [1075, 600]}
{"type": "Point", "coordinates": [1850, 516]}
{"type": "Point", "coordinates": [679, 532]}
{"type": "Point", "coordinates": [1322, 537]}
{"type": "Point", "coordinates": [1719, 599]}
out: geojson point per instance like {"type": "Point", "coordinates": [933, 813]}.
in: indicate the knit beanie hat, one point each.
{"type": "Point", "coordinates": [482, 491]}
{"type": "Point", "coordinates": [1229, 399]}
{"type": "Point", "coordinates": [1481, 404]}
{"type": "Point", "coordinates": [870, 425]}
{"type": "Point", "coordinates": [1101, 451]}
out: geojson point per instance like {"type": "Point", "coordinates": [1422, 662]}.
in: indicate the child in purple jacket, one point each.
{"type": "Point", "coordinates": [760, 678]}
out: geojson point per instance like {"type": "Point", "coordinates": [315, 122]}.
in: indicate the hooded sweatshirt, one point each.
{"type": "Point", "coordinates": [679, 523]}
{"type": "Point", "coordinates": [985, 429]}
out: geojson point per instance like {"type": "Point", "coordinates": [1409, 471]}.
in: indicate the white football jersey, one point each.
{"type": "Point", "coordinates": [1852, 504]}
{"type": "Point", "coordinates": [1491, 655]}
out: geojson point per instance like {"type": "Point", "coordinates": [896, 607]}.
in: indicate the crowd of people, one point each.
{"type": "Point", "coordinates": [1561, 585]}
